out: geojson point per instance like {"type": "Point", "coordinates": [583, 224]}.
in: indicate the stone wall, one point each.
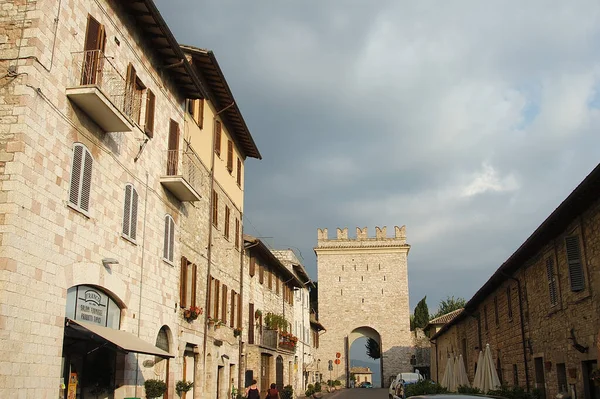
{"type": "Point", "coordinates": [363, 286]}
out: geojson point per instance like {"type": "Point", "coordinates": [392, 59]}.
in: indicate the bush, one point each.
{"type": "Point", "coordinates": [337, 383]}
{"type": "Point", "coordinates": [467, 390]}
{"type": "Point", "coordinates": [154, 388]}
{"type": "Point", "coordinates": [287, 393]}
{"type": "Point", "coordinates": [317, 386]}
{"type": "Point", "coordinates": [330, 383]}
{"type": "Point", "coordinates": [424, 387]}
{"type": "Point", "coordinates": [310, 389]}
{"type": "Point", "coordinates": [514, 393]}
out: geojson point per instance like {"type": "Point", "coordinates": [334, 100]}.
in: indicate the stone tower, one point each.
{"type": "Point", "coordinates": [363, 291]}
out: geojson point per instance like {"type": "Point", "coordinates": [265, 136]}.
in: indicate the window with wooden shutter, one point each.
{"type": "Point", "coordinates": [95, 40]}
{"type": "Point", "coordinates": [261, 273]}
{"type": "Point", "coordinates": [237, 233]}
{"type": "Point", "coordinates": [196, 110]}
{"type": "Point", "coordinates": [183, 283]}
{"type": "Point", "coordinates": [277, 285]}
{"type": "Point", "coordinates": [216, 302]}
{"type": "Point", "coordinates": [239, 311]}
{"type": "Point", "coordinates": [188, 283]}
{"type": "Point", "coordinates": [169, 241]}
{"type": "Point", "coordinates": [575, 263]}
{"type": "Point", "coordinates": [173, 152]}
{"type": "Point", "coordinates": [215, 209]}
{"type": "Point", "coordinates": [269, 278]}
{"type": "Point", "coordinates": [230, 156]}
{"type": "Point", "coordinates": [218, 137]}
{"type": "Point", "coordinates": [232, 310]}
{"type": "Point", "coordinates": [226, 229]}
{"type": "Point", "coordinates": [251, 323]}
{"type": "Point", "coordinates": [81, 179]}
{"type": "Point", "coordinates": [252, 268]}
{"type": "Point", "coordinates": [209, 307]}
{"type": "Point", "coordinates": [224, 305]}
{"type": "Point", "coordinates": [130, 212]}
{"type": "Point", "coordinates": [149, 120]}
{"type": "Point", "coordinates": [239, 172]}
{"type": "Point", "coordinates": [552, 288]}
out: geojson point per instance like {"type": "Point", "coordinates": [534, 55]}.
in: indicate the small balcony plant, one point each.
{"type": "Point", "coordinates": [192, 313]}
{"type": "Point", "coordinates": [183, 386]}
{"type": "Point", "coordinates": [237, 332]}
{"type": "Point", "coordinates": [211, 321]}
{"type": "Point", "coordinates": [257, 313]}
{"type": "Point", "coordinates": [154, 388]}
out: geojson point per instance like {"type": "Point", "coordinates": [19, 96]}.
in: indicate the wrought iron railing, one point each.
{"type": "Point", "coordinates": [275, 340]}
{"type": "Point", "coordinates": [185, 163]}
{"type": "Point", "coordinates": [94, 68]}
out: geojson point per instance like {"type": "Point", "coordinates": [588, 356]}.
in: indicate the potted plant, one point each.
{"type": "Point", "coordinates": [154, 388]}
{"type": "Point", "coordinates": [237, 332]}
{"type": "Point", "coordinates": [183, 386]}
{"type": "Point", "coordinates": [257, 313]}
{"type": "Point", "coordinates": [192, 313]}
{"type": "Point", "coordinates": [211, 321]}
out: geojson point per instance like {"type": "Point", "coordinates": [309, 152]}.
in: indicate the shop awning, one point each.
{"type": "Point", "coordinates": [123, 340]}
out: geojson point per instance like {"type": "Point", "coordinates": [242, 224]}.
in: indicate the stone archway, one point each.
{"type": "Point", "coordinates": [366, 332]}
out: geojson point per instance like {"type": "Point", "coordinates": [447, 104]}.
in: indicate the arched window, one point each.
{"type": "Point", "coordinates": [92, 305]}
{"type": "Point", "coordinates": [169, 239]}
{"type": "Point", "coordinates": [130, 208]}
{"type": "Point", "coordinates": [81, 178]}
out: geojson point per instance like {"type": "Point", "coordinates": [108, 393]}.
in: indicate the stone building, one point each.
{"type": "Point", "coordinates": [539, 312]}
{"type": "Point", "coordinates": [363, 292]}
{"type": "Point", "coordinates": [361, 374]}
{"type": "Point", "coordinates": [270, 346]}
{"type": "Point", "coordinates": [105, 261]}
{"type": "Point", "coordinates": [432, 327]}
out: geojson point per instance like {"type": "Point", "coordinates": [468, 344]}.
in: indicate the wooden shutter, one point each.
{"type": "Point", "coordinates": [252, 268]}
{"type": "Point", "coordinates": [224, 306]}
{"type": "Point", "coordinates": [95, 39]}
{"type": "Point", "coordinates": [134, 210]}
{"type": "Point", "coordinates": [218, 137]}
{"type": "Point", "coordinates": [183, 282]}
{"type": "Point", "coordinates": [131, 78]}
{"type": "Point", "coordinates": [86, 181]}
{"type": "Point", "coordinates": [230, 156]}
{"type": "Point", "coordinates": [173, 154]}
{"type": "Point", "coordinates": [215, 208]}
{"type": "Point", "coordinates": [239, 172]}
{"type": "Point", "coordinates": [251, 323]}
{"type": "Point", "coordinates": [210, 300]}
{"type": "Point", "coordinates": [237, 233]}
{"type": "Point", "coordinates": [575, 265]}
{"type": "Point", "coordinates": [76, 169]}
{"type": "Point", "coordinates": [277, 285]}
{"type": "Point", "coordinates": [216, 315]}
{"type": "Point", "coordinates": [226, 230]}
{"type": "Point", "coordinates": [194, 277]}
{"type": "Point", "coordinates": [552, 291]}
{"type": "Point", "coordinates": [127, 211]}
{"type": "Point", "coordinates": [232, 316]}
{"type": "Point", "coordinates": [269, 278]}
{"type": "Point", "coordinates": [150, 105]}
{"type": "Point", "coordinates": [261, 273]}
{"type": "Point", "coordinates": [200, 112]}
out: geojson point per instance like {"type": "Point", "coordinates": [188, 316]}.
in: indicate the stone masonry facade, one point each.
{"type": "Point", "coordinates": [363, 291]}
{"type": "Point", "coordinates": [541, 318]}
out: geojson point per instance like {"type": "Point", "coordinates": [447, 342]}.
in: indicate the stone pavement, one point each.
{"type": "Point", "coordinates": [358, 393]}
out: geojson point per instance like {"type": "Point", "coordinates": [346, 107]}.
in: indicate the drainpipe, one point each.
{"type": "Point", "coordinates": [437, 372]}
{"type": "Point", "coordinates": [522, 328]}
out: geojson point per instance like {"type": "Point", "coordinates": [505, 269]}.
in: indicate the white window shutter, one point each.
{"type": "Point", "coordinates": [171, 239]}
{"type": "Point", "coordinates": [134, 206]}
{"type": "Point", "coordinates": [76, 174]}
{"type": "Point", "coordinates": [166, 243]}
{"type": "Point", "coordinates": [86, 183]}
{"type": "Point", "coordinates": [127, 211]}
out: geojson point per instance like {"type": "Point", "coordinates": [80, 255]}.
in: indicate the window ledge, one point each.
{"type": "Point", "coordinates": [129, 239]}
{"type": "Point", "coordinates": [168, 262]}
{"type": "Point", "coordinates": [78, 210]}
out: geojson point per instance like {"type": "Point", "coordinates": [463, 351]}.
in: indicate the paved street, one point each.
{"type": "Point", "coordinates": [359, 393]}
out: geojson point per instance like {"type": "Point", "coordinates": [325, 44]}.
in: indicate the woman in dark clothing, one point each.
{"type": "Point", "coordinates": [252, 391]}
{"type": "Point", "coordinates": [273, 393]}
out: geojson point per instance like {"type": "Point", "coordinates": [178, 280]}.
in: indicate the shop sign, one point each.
{"type": "Point", "coordinates": [90, 304]}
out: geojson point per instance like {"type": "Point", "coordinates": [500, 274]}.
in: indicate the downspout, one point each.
{"type": "Point", "coordinates": [437, 372]}
{"type": "Point", "coordinates": [522, 328]}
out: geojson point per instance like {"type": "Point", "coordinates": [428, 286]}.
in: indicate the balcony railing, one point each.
{"type": "Point", "coordinates": [184, 175]}
{"type": "Point", "coordinates": [99, 90]}
{"type": "Point", "coordinates": [273, 339]}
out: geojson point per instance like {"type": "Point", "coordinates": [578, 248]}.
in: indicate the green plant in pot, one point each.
{"type": "Point", "coordinates": [154, 388]}
{"type": "Point", "coordinates": [183, 386]}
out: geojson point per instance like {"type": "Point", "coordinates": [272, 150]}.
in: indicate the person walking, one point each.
{"type": "Point", "coordinates": [252, 391]}
{"type": "Point", "coordinates": [273, 392]}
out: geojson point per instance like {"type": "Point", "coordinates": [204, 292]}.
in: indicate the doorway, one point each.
{"type": "Point", "coordinates": [189, 368]}
{"type": "Point", "coordinates": [540, 379]}
{"type": "Point", "coordinates": [590, 389]}
{"type": "Point", "coordinates": [220, 380]}
{"type": "Point", "coordinates": [279, 373]}
{"type": "Point", "coordinates": [265, 376]}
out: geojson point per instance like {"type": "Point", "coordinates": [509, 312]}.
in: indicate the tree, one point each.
{"type": "Point", "coordinates": [450, 304]}
{"type": "Point", "coordinates": [421, 314]}
{"type": "Point", "coordinates": [373, 349]}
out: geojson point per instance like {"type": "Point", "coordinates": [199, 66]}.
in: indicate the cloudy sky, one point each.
{"type": "Point", "coordinates": [466, 121]}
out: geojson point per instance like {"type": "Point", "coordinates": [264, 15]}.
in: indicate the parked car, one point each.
{"type": "Point", "coordinates": [366, 384]}
{"type": "Point", "coordinates": [397, 387]}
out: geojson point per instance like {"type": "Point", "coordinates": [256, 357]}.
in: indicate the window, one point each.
{"type": "Point", "coordinates": [134, 89]}
{"type": "Point", "coordinates": [269, 278]}
{"type": "Point", "coordinates": [499, 370]}
{"type": "Point", "coordinates": [261, 273]}
{"type": "Point", "coordinates": [130, 212]}
{"type": "Point", "coordinates": [95, 40]}
{"type": "Point", "coordinates": [230, 156]}
{"type": "Point", "coordinates": [196, 110]}
{"type": "Point", "coordinates": [515, 376]}
{"type": "Point", "coordinates": [575, 264]}
{"type": "Point", "coordinates": [552, 291]}
{"type": "Point", "coordinates": [277, 285]}
{"type": "Point", "coordinates": [215, 209]}
{"type": "Point", "coordinates": [239, 172]}
{"type": "Point", "coordinates": [226, 229]}
{"type": "Point", "coordinates": [81, 179]}
{"type": "Point", "coordinates": [485, 317]}
{"type": "Point", "coordinates": [149, 120]}
{"type": "Point", "coordinates": [169, 239]}
{"type": "Point", "coordinates": [187, 284]}
{"type": "Point", "coordinates": [237, 233]}
{"type": "Point", "coordinates": [215, 299]}
{"type": "Point", "coordinates": [233, 309]}
{"type": "Point", "coordinates": [561, 376]}
{"type": "Point", "coordinates": [251, 323]}
{"type": "Point", "coordinates": [509, 303]}
{"type": "Point", "coordinates": [173, 153]}
{"type": "Point", "coordinates": [239, 311]}
{"type": "Point", "coordinates": [496, 315]}
{"type": "Point", "coordinates": [218, 137]}
{"type": "Point", "coordinates": [224, 307]}
{"type": "Point", "coordinates": [252, 268]}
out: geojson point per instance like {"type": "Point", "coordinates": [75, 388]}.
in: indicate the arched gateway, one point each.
{"type": "Point", "coordinates": [363, 291]}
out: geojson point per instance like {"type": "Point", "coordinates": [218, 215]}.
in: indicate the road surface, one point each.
{"type": "Point", "coordinates": [362, 393]}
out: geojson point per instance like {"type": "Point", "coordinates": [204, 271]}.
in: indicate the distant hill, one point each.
{"type": "Point", "coordinates": [374, 366]}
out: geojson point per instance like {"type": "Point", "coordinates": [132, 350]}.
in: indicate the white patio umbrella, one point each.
{"type": "Point", "coordinates": [448, 374]}
{"type": "Point", "coordinates": [489, 376]}
{"type": "Point", "coordinates": [460, 372]}
{"type": "Point", "coordinates": [477, 380]}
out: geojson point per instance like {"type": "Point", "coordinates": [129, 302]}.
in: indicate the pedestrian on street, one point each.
{"type": "Point", "coordinates": [273, 393]}
{"type": "Point", "coordinates": [252, 391]}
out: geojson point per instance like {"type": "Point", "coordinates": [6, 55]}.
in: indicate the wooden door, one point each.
{"type": "Point", "coordinates": [173, 155]}
{"type": "Point", "coordinates": [265, 377]}
{"type": "Point", "coordinates": [279, 373]}
{"type": "Point", "coordinates": [93, 56]}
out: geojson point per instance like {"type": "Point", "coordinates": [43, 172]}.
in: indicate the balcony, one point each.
{"type": "Point", "coordinates": [184, 175]}
{"type": "Point", "coordinates": [272, 339]}
{"type": "Point", "coordinates": [98, 89]}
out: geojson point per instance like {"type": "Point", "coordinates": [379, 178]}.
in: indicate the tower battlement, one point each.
{"type": "Point", "coordinates": [362, 235]}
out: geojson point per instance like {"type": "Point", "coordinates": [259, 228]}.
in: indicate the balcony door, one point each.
{"type": "Point", "coordinates": [93, 54]}
{"type": "Point", "coordinates": [173, 156]}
